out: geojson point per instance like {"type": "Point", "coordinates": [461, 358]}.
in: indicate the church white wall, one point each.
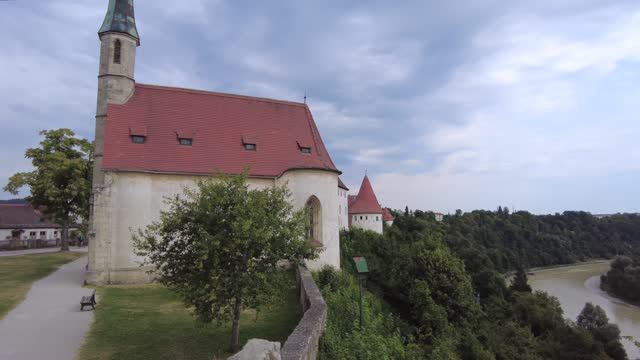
{"type": "Point", "coordinates": [371, 222]}
{"type": "Point", "coordinates": [343, 209]}
{"type": "Point", "coordinates": [321, 184]}
{"type": "Point", "coordinates": [131, 201]}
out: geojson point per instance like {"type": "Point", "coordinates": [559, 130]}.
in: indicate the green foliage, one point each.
{"type": "Point", "coordinates": [445, 280]}
{"type": "Point", "coordinates": [520, 282]}
{"type": "Point", "coordinates": [594, 319]}
{"type": "Point", "coordinates": [540, 311]}
{"type": "Point", "coordinates": [421, 277]}
{"type": "Point", "coordinates": [60, 183]}
{"type": "Point", "coordinates": [623, 279]}
{"type": "Point", "coordinates": [328, 277]}
{"type": "Point", "coordinates": [218, 246]}
{"type": "Point", "coordinates": [504, 242]}
{"type": "Point", "coordinates": [343, 339]}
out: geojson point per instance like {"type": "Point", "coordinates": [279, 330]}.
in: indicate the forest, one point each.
{"type": "Point", "coordinates": [623, 279]}
{"type": "Point", "coordinates": [440, 290]}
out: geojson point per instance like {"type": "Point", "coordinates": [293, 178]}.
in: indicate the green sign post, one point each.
{"type": "Point", "coordinates": [363, 269]}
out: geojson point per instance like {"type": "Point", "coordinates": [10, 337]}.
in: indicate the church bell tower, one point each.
{"type": "Point", "coordinates": [119, 40]}
{"type": "Point", "coordinates": [116, 83]}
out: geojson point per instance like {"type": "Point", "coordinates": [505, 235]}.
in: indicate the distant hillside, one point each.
{"type": "Point", "coordinates": [13, 201]}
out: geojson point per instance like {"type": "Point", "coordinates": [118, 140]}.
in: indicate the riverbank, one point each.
{"type": "Point", "coordinates": [552, 267]}
{"type": "Point", "coordinates": [577, 284]}
{"type": "Point", "coordinates": [593, 284]}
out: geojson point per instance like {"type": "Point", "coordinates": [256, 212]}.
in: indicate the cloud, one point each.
{"type": "Point", "coordinates": [446, 106]}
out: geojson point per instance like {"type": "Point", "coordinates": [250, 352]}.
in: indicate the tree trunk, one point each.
{"type": "Point", "coordinates": [235, 330]}
{"type": "Point", "coordinates": [64, 242]}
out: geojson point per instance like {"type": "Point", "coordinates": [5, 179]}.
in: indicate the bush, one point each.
{"type": "Point", "coordinates": [380, 337]}
{"type": "Point", "coordinates": [328, 277]}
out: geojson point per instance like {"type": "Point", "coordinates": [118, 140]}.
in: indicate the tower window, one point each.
{"type": "Point", "coordinates": [138, 139]}
{"type": "Point", "coordinates": [117, 49]}
{"type": "Point", "coordinates": [185, 141]}
{"type": "Point", "coordinates": [250, 147]}
{"type": "Point", "coordinates": [305, 150]}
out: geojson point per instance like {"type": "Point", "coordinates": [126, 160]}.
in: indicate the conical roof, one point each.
{"type": "Point", "coordinates": [366, 201]}
{"type": "Point", "coordinates": [386, 215]}
{"type": "Point", "coordinates": [120, 18]}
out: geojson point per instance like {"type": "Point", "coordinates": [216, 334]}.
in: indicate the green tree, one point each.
{"type": "Point", "coordinates": [60, 184]}
{"type": "Point", "coordinates": [520, 282]}
{"type": "Point", "coordinates": [592, 317]}
{"type": "Point", "coordinates": [595, 320]}
{"type": "Point", "coordinates": [217, 246]}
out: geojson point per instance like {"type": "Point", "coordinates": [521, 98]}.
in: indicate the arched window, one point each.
{"type": "Point", "coordinates": [117, 49]}
{"type": "Point", "coordinates": [314, 221]}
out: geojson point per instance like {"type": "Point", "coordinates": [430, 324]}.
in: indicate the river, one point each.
{"type": "Point", "coordinates": [577, 284]}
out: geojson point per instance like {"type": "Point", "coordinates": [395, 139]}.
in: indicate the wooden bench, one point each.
{"type": "Point", "coordinates": [88, 301]}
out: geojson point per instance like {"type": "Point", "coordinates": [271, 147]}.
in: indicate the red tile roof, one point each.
{"type": "Point", "coordinates": [219, 124]}
{"type": "Point", "coordinates": [386, 215]}
{"type": "Point", "coordinates": [365, 202]}
{"type": "Point", "coordinates": [342, 185]}
{"type": "Point", "coordinates": [23, 216]}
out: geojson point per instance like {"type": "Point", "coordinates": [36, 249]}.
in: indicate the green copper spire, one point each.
{"type": "Point", "coordinates": [120, 18]}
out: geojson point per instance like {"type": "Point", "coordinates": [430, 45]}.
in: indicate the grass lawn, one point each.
{"type": "Point", "coordinates": [17, 273]}
{"type": "Point", "coordinates": [150, 322]}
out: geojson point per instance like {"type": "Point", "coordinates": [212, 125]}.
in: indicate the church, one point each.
{"type": "Point", "coordinates": [152, 141]}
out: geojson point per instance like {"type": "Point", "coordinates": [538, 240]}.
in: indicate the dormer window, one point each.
{"type": "Point", "coordinates": [185, 141]}
{"type": "Point", "coordinates": [249, 142]}
{"type": "Point", "coordinates": [304, 147]}
{"type": "Point", "coordinates": [117, 49]}
{"type": "Point", "coordinates": [138, 139]}
{"type": "Point", "coordinates": [138, 133]}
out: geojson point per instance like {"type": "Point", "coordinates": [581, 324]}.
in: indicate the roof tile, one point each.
{"type": "Point", "coordinates": [219, 122]}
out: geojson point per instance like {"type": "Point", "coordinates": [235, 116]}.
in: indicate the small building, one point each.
{"type": "Point", "coordinates": [21, 225]}
{"type": "Point", "coordinates": [439, 216]}
{"type": "Point", "coordinates": [365, 211]}
{"type": "Point", "coordinates": [343, 206]}
{"type": "Point", "coordinates": [387, 217]}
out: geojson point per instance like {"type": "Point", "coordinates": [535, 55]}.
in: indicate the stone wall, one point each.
{"type": "Point", "coordinates": [303, 342]}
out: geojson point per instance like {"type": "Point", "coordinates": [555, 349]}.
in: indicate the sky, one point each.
{"type": "Point", "coordinates": [445, 104]}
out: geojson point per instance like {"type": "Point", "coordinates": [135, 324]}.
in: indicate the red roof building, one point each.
{"type": "Point", "coordinates": [365, 211]}
{"type": "Point", "coordinates": [365, 202]}
{"type": "Point", "coordinates": [386, 215]}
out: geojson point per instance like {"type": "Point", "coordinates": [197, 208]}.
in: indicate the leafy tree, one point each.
{"type": "Point", "coordinates": [595, 320]}
{"type": "Point", "coordinates": [592, 317]}
{"type": "Point", "coordinates": [623, 279]}
{"type": "Point", "coordinates": [343, 339]}
{"type": "Point", "coordinates": [218, 244]}
{"type": "Point", "coordinates": [520, 282]}
{"type": "Point", "coordinates": [60, 184]}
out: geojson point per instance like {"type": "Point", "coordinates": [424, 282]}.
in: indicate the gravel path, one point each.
{"type": "Point", "coordinates": [48, 324]}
